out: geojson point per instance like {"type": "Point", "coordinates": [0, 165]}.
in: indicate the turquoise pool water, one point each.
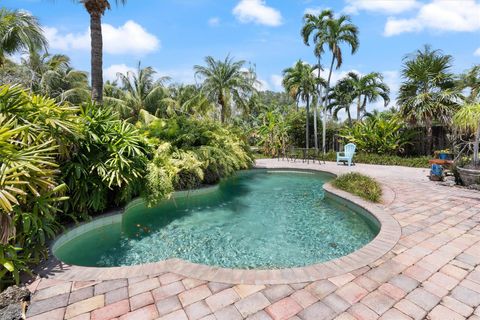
{"type": "Point", "coordinates": [256, 219]}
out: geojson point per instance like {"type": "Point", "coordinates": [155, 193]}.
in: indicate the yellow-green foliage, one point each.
{"type": "Point", "coordinates": [191, 153]}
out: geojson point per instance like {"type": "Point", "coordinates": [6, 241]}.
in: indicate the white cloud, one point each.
{"type": "Point", "coordinates": [261, 85]}
{"type": "Point", "coordinates": [258, 12]}
{"type": "Point", "coordinates": [110, 73]}
{"type": "Point", "coordinates": [439, 15]}
{"type": "Point", "coordinates": [477, 52]}
{"type": "Point", "coordinates": [214, 22]}
{"type": "Point", "coordinates": [131, 38]}
{"type": "Point", "coordinates": [277, 82]}
{"type": "Point", "coordinates": [381, 6]}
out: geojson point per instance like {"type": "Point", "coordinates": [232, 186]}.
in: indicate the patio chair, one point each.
{"type": "Point", "coordinates": [347, 154]}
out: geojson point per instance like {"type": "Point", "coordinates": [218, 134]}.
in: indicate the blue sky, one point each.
{"type": "Point", "coordinates": [174, 35]}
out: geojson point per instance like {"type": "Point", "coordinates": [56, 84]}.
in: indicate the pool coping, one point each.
{"type": "Point", "coordinates": [386, 239]}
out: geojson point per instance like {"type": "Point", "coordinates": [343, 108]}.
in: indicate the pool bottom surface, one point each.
{"type": "Point", "coordinates": [258, 219]}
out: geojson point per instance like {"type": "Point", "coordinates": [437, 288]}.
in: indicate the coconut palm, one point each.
{"type": "Point", "coordinates": [19, 31]}
{"type": "Point", "coordinates": [314, 26]}
{"type": "Point", "coordinates": [341, 97]}
{"type": "Point", "coordinates": [428, 91]}
{"type": "Point", "coordinates": [52, 75]}
{"type": "Point", "coordinates": [96, 9]}
{"type": "Point", "coordinates": [142, 92]}
{"type": "Point", "coordinates": [337, 32]}
{"type": "Point", "coordinates": [188, 100]}
{"type": "Point", "coordinates": [368, 88]}
{"type": "Point", "coordinates": [225, 82]}
{"type": "Point", "coordinates": [301, 78]}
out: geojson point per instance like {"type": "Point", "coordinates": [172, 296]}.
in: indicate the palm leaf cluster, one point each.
{"type": "Point", "coordinates": [428, 92]}
{"type": "Point", "coordinates": [355, 88]}
{"type": "Point", "coordinates": [19, 32]}
{"type": "Point", "coordinates": [227, 83]}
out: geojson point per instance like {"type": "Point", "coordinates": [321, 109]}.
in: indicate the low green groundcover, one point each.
{"type": "Point", "coordinates": [360, 185]}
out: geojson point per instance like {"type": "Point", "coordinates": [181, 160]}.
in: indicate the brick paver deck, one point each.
{"type": "Point", "coordinates": [432, 272]}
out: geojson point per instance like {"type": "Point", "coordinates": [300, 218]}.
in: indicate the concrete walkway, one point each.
{"type": "Point", "coordinates": [433, 272]}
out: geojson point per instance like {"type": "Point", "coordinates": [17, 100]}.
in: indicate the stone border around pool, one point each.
{"type": "Point", "coordinates": [385, 240]}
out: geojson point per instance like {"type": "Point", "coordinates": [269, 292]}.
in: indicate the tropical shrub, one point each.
{"type": "Point", "coordinates": [32, 136]}
{"type": "Point", "coordinates": [378, 135]}
{"type": "Point", "coordinates": [360, 185]}
{"type": "Point", "coordinates": [107, 163]}
{"type": "Point", "coordinates": [191, 153]}
{"type": "Point", "coordinates": [273, 133]}
{"type": "Point", "coordinates": [467, 120]}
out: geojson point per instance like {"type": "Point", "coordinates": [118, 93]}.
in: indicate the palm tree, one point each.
{"type": "Point", "coordinates": [96, 9]}
{"type": "Point", "coordinates": [301, 77]}
{"type": "Point", "coordinates": [316, 25]}
{"type": "Point", "coordinates": [142, 93]}
{"type": "Point", "coordinates": [52, 75]}
{"type": "Point", "coordinates": [337, 31]}
{"type": "Point", "coordinates": [428, 91]}
{"type": "Point", "coordinates": [188, 100]}
{"type": "Point", "coordinates": [341, 98]}
{"type": "Point", "coordinates": [368, 88]}
{"type": "Point", "coordinates": [225, 82]}
{"type": "Point", "coordinates": [19, 31]}
{"type": "Point", "coordinates": [470, 80]}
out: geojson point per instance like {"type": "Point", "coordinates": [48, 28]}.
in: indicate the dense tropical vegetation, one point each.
{"type": "Point", "coordinates": [70, 149]}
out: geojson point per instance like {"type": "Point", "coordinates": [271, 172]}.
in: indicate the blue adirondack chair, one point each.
{"type": "Point", "coordinates": [347, 154]}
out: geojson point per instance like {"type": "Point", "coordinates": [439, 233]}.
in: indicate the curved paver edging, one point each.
{"type": "Point", "coordinates": [385, 240]}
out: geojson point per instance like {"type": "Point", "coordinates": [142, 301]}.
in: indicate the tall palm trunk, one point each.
{"type": "Point", "coordinates": [315, 110]}
{"type": "Point", "coordinates": [223, 107]}
{"type": "Point", "coordinates": [359, 107]}
{"type": "Point", "coordinates": [96, 56]}
{"type": "Point", "coordinates": [429, 137]}
{"type": "Point", "coordinates": [325, 103]}
{"type": "Point", "coordinates": [315, 138]}
{"type": "Point", "coordinates": [307, 129]}
{"type": "Point", "coordinates": [349, 117]}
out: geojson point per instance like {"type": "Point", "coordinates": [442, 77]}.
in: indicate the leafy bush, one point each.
{"type": "Point", "coordinates": [109, 156]}
{"type": "Point", "coordinates": [378, 135]}
{"type": "Point", "coordinates": [191, 153]}
{"type": "Point", "coordinates": [32, 135]}
{"type": "Point", "coordinates": [58, 161]}
{"type": "Point", "coordinates": [360, 185]}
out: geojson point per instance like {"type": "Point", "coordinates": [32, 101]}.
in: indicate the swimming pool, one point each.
{"type": "Point", "coordinates": [257, 219]}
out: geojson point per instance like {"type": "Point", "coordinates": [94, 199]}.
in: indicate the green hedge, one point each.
{"type": "Point", "coordinates": [371, 158]}
{"type": "Point", "coordinates": [414, 162]}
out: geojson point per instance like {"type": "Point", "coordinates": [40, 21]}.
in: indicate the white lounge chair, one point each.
{"type": "Point", "coordinates": [347, 154]}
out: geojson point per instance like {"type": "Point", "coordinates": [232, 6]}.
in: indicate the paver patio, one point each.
{"type": "Point", "coordinates": [433, 271]}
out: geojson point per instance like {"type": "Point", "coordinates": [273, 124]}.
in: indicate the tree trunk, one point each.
{"type": "Point", "coordinates": [315, 131]}
{"type": "Point", "coordinates": [476, 161]}
{"type": "Point", "coordinates": [306, 129]}
{"type": "Point", "coordinates": [96, 57]}
{"type": "Point", "coordinates": [315, 138]}
{"type": "Point", "coordinates": [325, 103]}
{"type": "Point", "coordinates": [359, 106]}
{"type": "Point", "coordinates": [222, 108]}
{"type": "Point", "coordinates": [429, 137]}
{"type": "Point", "coordinates": [349, 117]}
